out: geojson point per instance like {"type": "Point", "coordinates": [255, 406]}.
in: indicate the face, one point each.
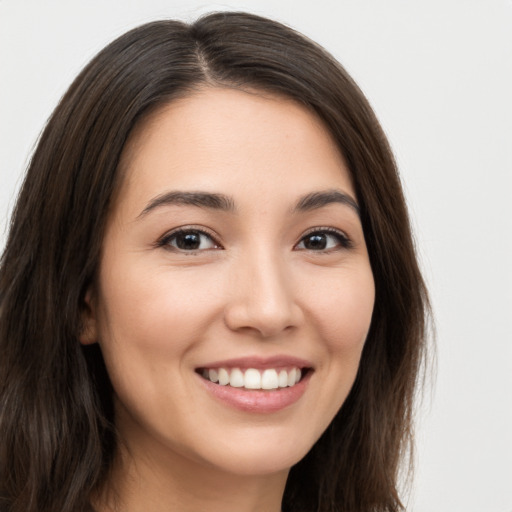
{"type": "Point", "coordinates": [235, 292]}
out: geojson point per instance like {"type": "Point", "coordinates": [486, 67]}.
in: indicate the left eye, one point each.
{"type": "Point", "coordinates": [190, 240]}
{"type": "Point", "coordinates": [323, 241]}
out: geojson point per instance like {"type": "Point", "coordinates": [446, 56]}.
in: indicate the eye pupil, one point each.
{"type": "Point", "coordinates": [188, 241]}
{"type": "Point", "coordinates": [316, 241]}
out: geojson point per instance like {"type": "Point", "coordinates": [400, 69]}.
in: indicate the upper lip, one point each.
{"type": "Point", "coordinates": [260, 363]}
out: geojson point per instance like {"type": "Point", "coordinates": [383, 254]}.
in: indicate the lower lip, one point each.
{"type": "Point", "coordinates": [258, 401]}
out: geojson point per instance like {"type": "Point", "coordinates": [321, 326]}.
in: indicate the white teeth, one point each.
{"type": "Point", "coordinates": [291, 377]}
{"type": "Point", "coordinates": [223, 377]}
{"type": "Point", "coordinates": [237, 378]}
{"type": "Point", "coordinates": [269, 380]}
{"type": "Point", "coordinates": [253, 378]}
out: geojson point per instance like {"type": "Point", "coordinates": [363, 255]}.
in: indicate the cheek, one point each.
{"type": "Point", "coordinates": [151, 321]}
{"type": "Point", "coordinates": [342, 309]}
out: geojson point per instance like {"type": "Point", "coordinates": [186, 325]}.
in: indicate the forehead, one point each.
{"type": "Point", "coordinates": [232, 141]}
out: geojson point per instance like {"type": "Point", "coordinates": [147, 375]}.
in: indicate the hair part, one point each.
{"type": "Point", "coordinates": [56, 414]}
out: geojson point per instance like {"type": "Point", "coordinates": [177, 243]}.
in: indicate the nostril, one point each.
{"type": "Point", "coordinates": [261, 319]}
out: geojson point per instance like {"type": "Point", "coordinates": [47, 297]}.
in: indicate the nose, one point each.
{"type": "Point", "coordinates": [263, 297]}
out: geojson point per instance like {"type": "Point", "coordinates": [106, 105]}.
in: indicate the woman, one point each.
{"type": "Point", "coordinates": [209, 294]}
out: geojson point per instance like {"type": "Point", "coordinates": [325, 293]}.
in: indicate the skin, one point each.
{"type": "Point", "coordinates": [255, 288]}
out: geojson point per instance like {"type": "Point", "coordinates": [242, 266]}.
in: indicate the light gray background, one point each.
{"type": "Point", "coordinates": [439, 75]}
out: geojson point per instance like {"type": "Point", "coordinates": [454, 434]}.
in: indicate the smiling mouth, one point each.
{"type": "Point", "coordinates": [255, 379]}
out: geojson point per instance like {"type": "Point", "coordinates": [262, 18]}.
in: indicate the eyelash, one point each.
{"type": "Point", "coordinates": [342, 239]}
{"type": "Point", "coordinates": [165, 241]}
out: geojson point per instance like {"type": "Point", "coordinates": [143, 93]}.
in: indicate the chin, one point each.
{"type": "Point", "coordinates": [259, 456]}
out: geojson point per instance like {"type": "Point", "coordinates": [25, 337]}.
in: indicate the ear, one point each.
{"type": "Point", "coordinates": [89, 329]}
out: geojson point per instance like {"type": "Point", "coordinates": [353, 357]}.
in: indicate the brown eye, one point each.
{"type": "Point", "coordinates": [316, 241]}
{"type": "Point", "coordinates": [190, 240]}
{"type": "Point", "coordinates": [323, 240]}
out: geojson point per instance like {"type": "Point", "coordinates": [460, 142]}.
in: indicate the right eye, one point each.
{"type": "Point", "coordinates": [189, 240]}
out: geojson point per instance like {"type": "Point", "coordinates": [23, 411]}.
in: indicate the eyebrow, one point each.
{"type": "Point", "coordinates": [317, 200]}
{"type": "Point", "coordinates": [216, 201]}
{"type": "Point", "coordinates": [200, 199]}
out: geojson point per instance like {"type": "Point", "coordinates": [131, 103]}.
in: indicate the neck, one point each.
{"type": "Point", "coordinates": [165, 482]}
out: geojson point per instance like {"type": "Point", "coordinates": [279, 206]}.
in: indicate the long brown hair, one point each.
{"type": "Point", "coordinates": [57, 435]}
